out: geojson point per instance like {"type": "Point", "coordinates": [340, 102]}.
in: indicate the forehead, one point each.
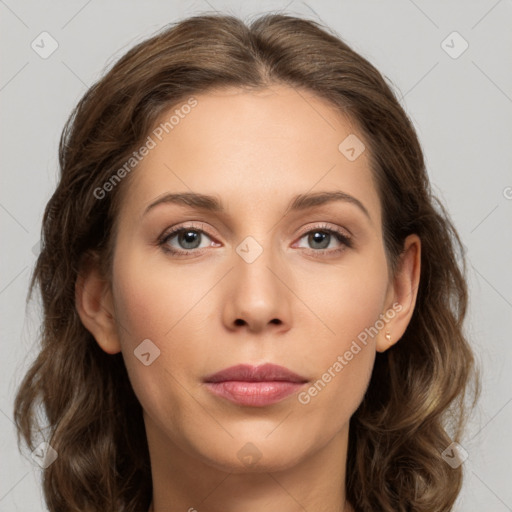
{"type": "Point", "coordinates": [241, 145]}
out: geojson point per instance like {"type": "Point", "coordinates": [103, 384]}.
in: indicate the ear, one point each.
{"type": "Point", "coordinates": [402, 293]}
{"type": "Point", "coordinates": [94, 304]}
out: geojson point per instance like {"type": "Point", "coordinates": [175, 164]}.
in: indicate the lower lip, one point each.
{"type": "Point", "coordinates": [255, 394]}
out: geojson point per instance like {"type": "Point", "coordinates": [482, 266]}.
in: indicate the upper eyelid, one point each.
{"type": "Point", "coordinates": [325, 226]}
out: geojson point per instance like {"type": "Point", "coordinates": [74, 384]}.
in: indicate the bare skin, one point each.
{"type": "Point", "coordinates": [300, 303]}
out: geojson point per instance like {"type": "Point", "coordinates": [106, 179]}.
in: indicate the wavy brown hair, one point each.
{"type": "Point", "coordinates": [417, 400]}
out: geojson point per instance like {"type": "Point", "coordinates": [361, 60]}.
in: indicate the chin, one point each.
{"type": "Point", "coordinates": [258, 455]}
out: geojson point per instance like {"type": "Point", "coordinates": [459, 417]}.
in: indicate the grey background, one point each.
{"type": "Point", "coordinates": [461, 108]}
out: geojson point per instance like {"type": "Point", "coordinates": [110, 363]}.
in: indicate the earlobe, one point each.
{"type": "Point", "coordinates": [384, 344]}
{"type": "Point", "coordinates": [403, 294]}
{"type": "Point", "coordinates": [94, 304]}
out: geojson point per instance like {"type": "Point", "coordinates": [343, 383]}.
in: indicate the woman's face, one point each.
{"type": "Point", "coordinates": [261, 278]}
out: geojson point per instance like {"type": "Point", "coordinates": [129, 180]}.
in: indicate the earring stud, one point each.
{"type": "Point", "coordinates": [388, 336]}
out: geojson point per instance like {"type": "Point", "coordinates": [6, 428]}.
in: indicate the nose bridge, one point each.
{"type": "Point", "coordinates": [254, 259]}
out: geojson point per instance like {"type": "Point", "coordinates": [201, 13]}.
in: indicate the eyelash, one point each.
{"type": "Point", "coordinates": [324, 228]}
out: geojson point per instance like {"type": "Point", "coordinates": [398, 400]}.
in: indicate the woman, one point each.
{"type": "Point", "coordinates": [199, 352]}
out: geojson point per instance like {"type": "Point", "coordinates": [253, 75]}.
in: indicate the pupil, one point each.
{"type": "Point", "coordinates": [186, 237]}
{"type": "Point", "coordinates": [321, 238]}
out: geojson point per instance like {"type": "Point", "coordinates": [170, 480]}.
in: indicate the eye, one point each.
{"type": "Point", "coordinates": [183, 240]}
{"type": "Point", "coordinates": [186, 240]}
{"type": "Point", "coordinates": [322, 238]}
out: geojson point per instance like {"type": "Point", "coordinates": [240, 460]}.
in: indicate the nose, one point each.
{"type": "Point", "coordinates": [256, 295]}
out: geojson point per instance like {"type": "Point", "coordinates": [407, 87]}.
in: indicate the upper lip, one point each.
{"type": "Point", "coordinates": [262, 373]}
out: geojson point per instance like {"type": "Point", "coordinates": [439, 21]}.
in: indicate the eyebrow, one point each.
{"type": "Point", "coordinates": [298, 203]}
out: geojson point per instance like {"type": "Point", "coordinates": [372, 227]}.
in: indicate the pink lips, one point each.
{"type": "Point", "coordinates": [254, 385]}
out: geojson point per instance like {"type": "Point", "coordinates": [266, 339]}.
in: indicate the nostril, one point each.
{"type": "Point", "coordinates": [239, 321]}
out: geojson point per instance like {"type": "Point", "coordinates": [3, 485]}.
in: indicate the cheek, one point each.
{"type": "Point", "coordinates": [165, 305]}
{"type": "Point", "coordinates": [350, 306]}
{"type": "Point", "coordinates": [153, 299]}
{"type": "Point", "coordinates": [346, 299]}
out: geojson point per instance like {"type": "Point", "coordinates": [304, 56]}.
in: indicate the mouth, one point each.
{"type": "Point", "coordinates": [255, 386]}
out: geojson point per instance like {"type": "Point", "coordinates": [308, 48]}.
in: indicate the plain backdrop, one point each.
{"type": "Point", "coordinates": [460, 100]}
